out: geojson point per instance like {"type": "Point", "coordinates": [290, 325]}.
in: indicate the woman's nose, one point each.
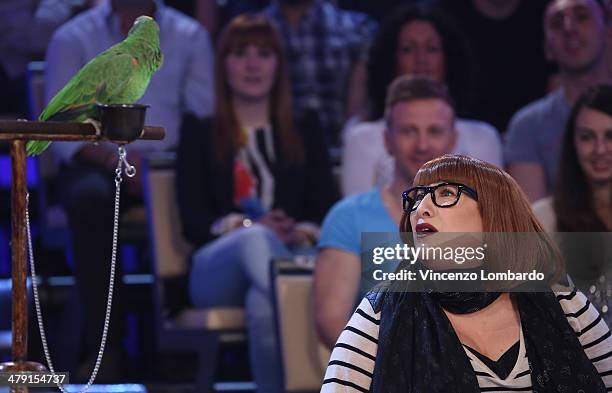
{"type": "Point", "coordinates": [252, 60]}
{"type": "Point", "coordinates": [603, 146]}
{"type": "Point", "coordinates": [425, 208]}
{"type": "Point", "coordinates": [251, 63]}
{"type": "Point", "coordinates": [423, 143]}
{"type": "Point", "coordinates": [420, 56]}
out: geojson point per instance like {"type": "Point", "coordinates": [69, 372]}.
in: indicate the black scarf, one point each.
{"type": "Point", "coordinates": [464, 302]}
{"type": "Point", "coordinates": [419, 351]}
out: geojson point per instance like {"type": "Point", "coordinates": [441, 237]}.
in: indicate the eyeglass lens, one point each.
{"type": "Point", "coordinates": [444, 195]}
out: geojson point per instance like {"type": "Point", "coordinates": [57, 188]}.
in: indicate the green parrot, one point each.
{"type": "Point", "coordinates": [119, 75]}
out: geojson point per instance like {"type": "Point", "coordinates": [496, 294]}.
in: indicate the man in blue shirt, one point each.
{"type": "Point", "coordinates": [183, 83]}
{"type": "Point", "coordinates": [420, 120]}
{"type": "Point", "coordinates": [575, 38]}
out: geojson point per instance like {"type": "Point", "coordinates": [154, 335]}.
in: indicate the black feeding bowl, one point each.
{"type": "Point", "coordinates": [122, 122]}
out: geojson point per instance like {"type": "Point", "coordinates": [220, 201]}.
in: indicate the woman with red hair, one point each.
{"type": "Point", "coordinates": [443, 341]}
{"type": "Point", "coordinates": [252, 185]}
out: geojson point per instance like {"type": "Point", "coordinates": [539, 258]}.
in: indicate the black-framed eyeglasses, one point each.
{"type": "Point", "coordinates": [445, 194]}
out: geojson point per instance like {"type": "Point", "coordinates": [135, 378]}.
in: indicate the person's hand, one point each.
{"type": "Point", "coordinates": [305, 234]}
{"type": "Point", "coordinates": [280, 223]}
{"type": "Point", "coordinates": [299, 238]}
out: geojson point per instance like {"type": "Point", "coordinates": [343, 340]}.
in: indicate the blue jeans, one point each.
{"type": "Point", "coordinates": [234, 270]}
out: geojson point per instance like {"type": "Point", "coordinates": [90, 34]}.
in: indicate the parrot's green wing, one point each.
{"type": "Point", "coordinates": [106, 79]}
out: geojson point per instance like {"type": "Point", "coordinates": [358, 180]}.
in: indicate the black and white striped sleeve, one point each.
{"type": "Point", "coordinates": [592, 331]}
{"type": "Point", "coordinates": [352, 360]}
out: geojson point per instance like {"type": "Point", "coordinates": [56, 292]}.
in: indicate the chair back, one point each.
{"type": "Point", "coordinates": [304, 358]}
{"type": "Point", "coordinates": [170, 250]}
{"type": "Point", "coordinates": [35, 77]}
{"type": "Point", "coordinates": [170, 253]}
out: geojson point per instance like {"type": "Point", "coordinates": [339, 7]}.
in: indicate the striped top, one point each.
{"type": "Point", "coordinates": [352, 361]}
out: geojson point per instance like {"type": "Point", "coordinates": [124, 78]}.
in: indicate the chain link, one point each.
{"type": "Point", "coordinates": [130, 171]}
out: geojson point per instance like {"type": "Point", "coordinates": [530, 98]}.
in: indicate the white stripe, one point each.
{"type": "Point", "coordinates": [265, 176]}
{"type": "Point", "coordinates": [362, 324]}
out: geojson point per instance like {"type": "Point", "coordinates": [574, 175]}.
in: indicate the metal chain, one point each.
{"type": "Point", "coordinates": [130, 172]}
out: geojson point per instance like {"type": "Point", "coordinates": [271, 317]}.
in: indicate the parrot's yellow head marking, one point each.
{"type": "Point", "coordinates": [143, 24]}
{"type": "Point", "coordinates": [143, 18]}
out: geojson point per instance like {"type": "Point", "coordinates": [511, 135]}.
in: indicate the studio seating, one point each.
{"type": "Point", "coordinates": [191, 330]}
{"type": "Point", "coordinates": [304, 358]}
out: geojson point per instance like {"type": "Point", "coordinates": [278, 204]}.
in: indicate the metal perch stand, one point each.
{"type": "Point", "coordinates": [18, 132]}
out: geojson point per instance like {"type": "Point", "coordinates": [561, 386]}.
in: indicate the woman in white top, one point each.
{"type": "Point", "coordinates": [416, 40]}
{"type": "Point", "coordinates": [582, 200]}
{"type": "Point", "coordinates": [458, 342]}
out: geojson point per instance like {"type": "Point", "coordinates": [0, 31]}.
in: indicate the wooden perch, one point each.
{"type": "Point", "coordinates": [60, 131]}
{"type": "Point", "coordinates": [17, 132]}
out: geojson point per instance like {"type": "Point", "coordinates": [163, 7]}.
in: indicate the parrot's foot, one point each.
{"type": "Point", "coordinates": [97, 125]}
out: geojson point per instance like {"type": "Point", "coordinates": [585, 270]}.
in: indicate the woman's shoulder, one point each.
{"type": "Point", "coordinates": [367, 307]}
{"type": "Point", "coordinates": [195, 130]}
{"type": "Point", "coordinates": [352, 360]}
{"type": "Point", "coordinates": [365, 129]}
{"type": "Point", "coordinates": [192, 121]}
{"type": "Point", "coordinates": [578, 310]}
{"type": "Point", "coordinates": [589, 326]}
{"type": "Point", "coordinates": [545, 213]}
{"type": "Point", "coordinates": [473, 127]}
{"type": "Point", "coordinates": [570, 298]}
{"type": "Point", "coordinates": [375, 298]}
{"type": "Point", "coordinates": [543, 203]}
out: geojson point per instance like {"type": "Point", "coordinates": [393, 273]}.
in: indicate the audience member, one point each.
{"type": "Point", "coordinates": [376, 9]}
{"type": "Point", "coordinates": [251, 185]}
{"type": "Point", "coordinates": [585, 169]}
{"type": "Point", "coordinates": [576, 41]}
{"type": "Point", "coordinates": [415, 107]}
{"type": "Point", "coordinates": [26, 28]}
{"type": "Point", "coordinates": [327, 51]}
{"type": "Point", "coordinates": [415, 40]}
{"type": "Point", "coordinates": [506, 38]}
{"type": "Point", "coordinates": [582, 197]}
{"type": "Point", "coordinates": [183, 83]}
{"type": "Point", "coordinates": [401, 340]}
{"type": "Point", "coordinates": [215, 14]}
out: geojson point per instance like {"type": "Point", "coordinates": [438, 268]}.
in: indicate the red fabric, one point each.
{"type": "Point", "coordinates": [244, 183]}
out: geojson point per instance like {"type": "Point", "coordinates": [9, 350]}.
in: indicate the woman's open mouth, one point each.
{"type": "Point", "coordinates": [424, 229]}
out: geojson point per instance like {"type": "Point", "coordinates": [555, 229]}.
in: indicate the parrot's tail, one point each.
{"type": "Point", "coordinates": [34, 148]}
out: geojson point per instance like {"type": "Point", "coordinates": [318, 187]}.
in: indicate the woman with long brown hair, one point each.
{"type": "Point", "coordinates": [489, 341]}
{"type": "Point", "coordinates": [581, 203]}
{"type": "Point", "coordinates": [252, 185]}
{"type": "Point", "coordinates": [417, 39]}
